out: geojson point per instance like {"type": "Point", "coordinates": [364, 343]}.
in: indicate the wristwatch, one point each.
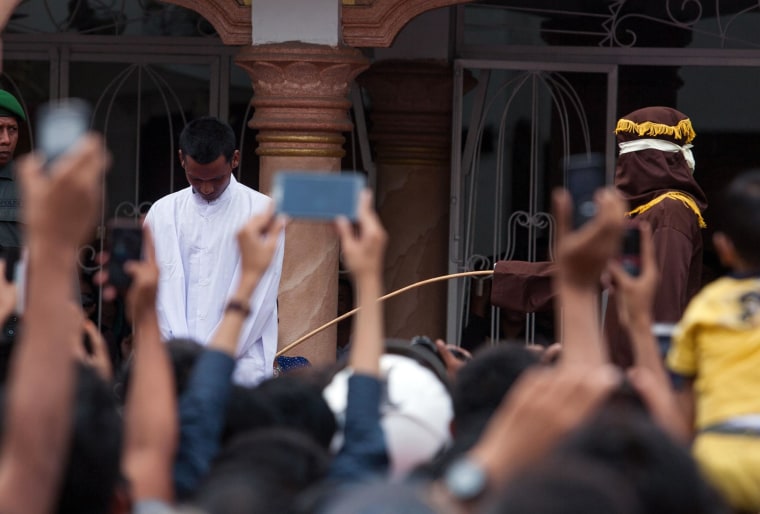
{"type": "Point", "coordinates": [465, 479]}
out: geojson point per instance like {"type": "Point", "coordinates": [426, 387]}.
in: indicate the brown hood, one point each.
{"type": "Point", "coordinates": [644, 175]}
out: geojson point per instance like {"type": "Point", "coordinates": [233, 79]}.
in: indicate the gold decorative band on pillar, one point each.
{"type": "Point", "coordinates": [301, 97]}
{"type": "Point", "coordinates": [300, 145]}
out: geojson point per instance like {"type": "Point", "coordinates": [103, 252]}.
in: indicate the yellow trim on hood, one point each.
{"type": "Point", "coordinates": [673, 195]}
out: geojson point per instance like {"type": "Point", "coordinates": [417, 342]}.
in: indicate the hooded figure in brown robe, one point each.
{"type": "Point", "coordinates": [654, 174]}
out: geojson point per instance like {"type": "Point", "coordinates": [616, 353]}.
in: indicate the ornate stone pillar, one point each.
{"type": "Point", "coordinates": [411, 131]}
{"type": "Point", "coordinates": [301, 110]}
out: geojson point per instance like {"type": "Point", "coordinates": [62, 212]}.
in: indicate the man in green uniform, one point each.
{"type": "Point", "coordinates": [11, 115]}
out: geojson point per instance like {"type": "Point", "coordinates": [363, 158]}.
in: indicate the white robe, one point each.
{"type": "Point", "coordinates": [199, 262]}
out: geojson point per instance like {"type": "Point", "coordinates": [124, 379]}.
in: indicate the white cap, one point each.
{"type": "Point", "coordinates": [415, 415]}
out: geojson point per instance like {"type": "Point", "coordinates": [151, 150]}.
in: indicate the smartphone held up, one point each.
{"type": "Point", "coordinates": [630, 257]}
{"type": "Point", "coordinates": [317, 196]}
{"type": "Point", "coordinates": [124, 243]}
{"type": "Point", "coordinates": [60, 125]}
{"type": "Point", "coordinates": [585, 173]}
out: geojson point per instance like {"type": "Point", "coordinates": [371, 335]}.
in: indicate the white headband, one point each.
{"type": "Point", "coordinates": [658, 144]}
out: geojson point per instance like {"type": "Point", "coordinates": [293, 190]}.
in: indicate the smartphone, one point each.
{"type": "Point", "coordinates": [630, 256]}
{"type": "Point", "coordinates": [11, 256]}
{"type": "Point", "coordinates": [317, 196]}
{"type": "Point", "coordinates": [585, 174]}
{"type": "Point", "coordinates": [124, 242]}
{"type": "Point", "coordinates": [60, 125]}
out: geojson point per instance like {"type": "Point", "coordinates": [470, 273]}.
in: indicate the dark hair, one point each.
{"type": "Point", "coordinates": [300, 405]}
{"type": "Point", "coordinates": [377, 497]}
{"type": "Point", "coordinates": [247, 410]}
{"type": "Point", "coordinates": [663, 474]}
{"type": "Point", "coordinates": [482, 383]}
{"type": "Point", "coordinates": [183, 354]}
{"type": "Point", "coordinates": [739, 220]}
{"type": "Point", "coordinates": [93, 468]}
{"type": "Point", "coordinates": [205, 139]}
{"type": "Point", "coordinates": [476, 393]}
{"type": "Point", "coordinates": [262, 471]}
{"type": "Point", "coordinates": [565, 486]}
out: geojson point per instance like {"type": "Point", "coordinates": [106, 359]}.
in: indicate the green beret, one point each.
{"type": "Point", "coordinates": [9, 106]}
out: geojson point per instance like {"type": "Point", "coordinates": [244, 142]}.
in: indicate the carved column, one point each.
{"type": "Point", "coordinates": [411, 131]}
{"type": "Point", "coordinates": [301, 110]}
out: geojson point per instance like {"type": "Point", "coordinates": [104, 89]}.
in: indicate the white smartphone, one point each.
{"type": "Point", "coordinates": [60, 125]}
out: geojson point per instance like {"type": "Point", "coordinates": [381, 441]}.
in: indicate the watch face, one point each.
{"type": "Point", "coordinates": [465, 479]}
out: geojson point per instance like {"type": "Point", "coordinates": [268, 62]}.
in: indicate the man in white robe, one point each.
{"type": "Point", "coordinates": [196, 248]}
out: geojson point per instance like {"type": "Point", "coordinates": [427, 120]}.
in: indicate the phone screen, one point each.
{"type": "Point", "coordinates": [585, 174]}
{"type": "Point", "coordinates": [60, 125]}
{"type": "Point", "coordinates": [124, 244]}
{"type": "Point", "coordinates": [631, 253]}
{"type": "Point", "coordinates": [317, 196]}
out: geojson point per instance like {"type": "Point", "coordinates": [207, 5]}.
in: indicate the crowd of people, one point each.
{"type": "Point", "coordinates": [194, 422]}
{"type": "Point", "coordinates": [397, 427]}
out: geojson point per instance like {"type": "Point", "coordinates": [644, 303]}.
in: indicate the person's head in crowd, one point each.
{"type": "Point", "coordinates": [737, 236]}
{"type": "Point", "coordinates": [278, 465]}
{"type": "Point", "coordinates": [655, 156]}
{"type": "Point", "coordinates": [299, 404]}
{"type": "Point", "coordinates": [183, 354]}
{"type": "Point", "coordinates": [208, 155]}
{"type": "Point", "coordinates": [11, 116]}
{"type": "Point", "coordinates": [482, 383]}
{"type": "Point", "coordinates": [416, 413]}
{"type": "Point", "coordinates": [93, 469]}
{"type": "Point", "coordinates": [248, 410]}
{"type": "Point", "coordinates": [565, 486]}
{"type": "Point", "coordinates": [662, 473]}
{"type": "Point", "coordinates": [476, 393]}
{"type": "Point", "coordinates": [377, 498]}
{"type": "Point", "coordinates": [92, 473]}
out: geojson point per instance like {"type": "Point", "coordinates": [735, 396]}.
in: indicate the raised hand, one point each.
{"type": "Point", "coordinates": [61, 203]}
{"type": "Point", "coordinates": [635, 295]}
{"type": "Point", "coordinates": [258, 240]}
{"type": "Point", "coordinates": [59, 209]}
{"type": "Point", "coordinates": [363, 249]}
{"type": "Point", "coordinates": [542, 407]}
{"type": "Point", "coordinates": [98, 359]}
{"type": "Point", "coordinates": [582, 254]}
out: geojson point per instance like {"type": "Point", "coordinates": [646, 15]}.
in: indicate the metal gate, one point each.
{"type": "Point", "coordinates": [535, 103]}
{"type": "Point", "coordinates": [143, 89]}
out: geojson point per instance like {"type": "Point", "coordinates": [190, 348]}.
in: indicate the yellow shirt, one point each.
{"type": "Point", "coordinates": [717, 342]}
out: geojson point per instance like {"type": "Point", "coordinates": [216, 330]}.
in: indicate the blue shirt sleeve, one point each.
{"type": "Point", "coordinates": [202, 413]}
{"type": "Point", "coordinates": [364, 454]}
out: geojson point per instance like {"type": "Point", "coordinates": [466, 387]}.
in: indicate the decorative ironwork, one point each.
{"type": "Point", "coordinates": [623, 23]}
{"type": "Point", "coordinates": [536, 221]}
{"type": "Point", "coordinates": [542, 92]}
{"type": "Point", "coordinates": [131, 210]}
{"type": "Point", "coordinates": [88, 258]}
